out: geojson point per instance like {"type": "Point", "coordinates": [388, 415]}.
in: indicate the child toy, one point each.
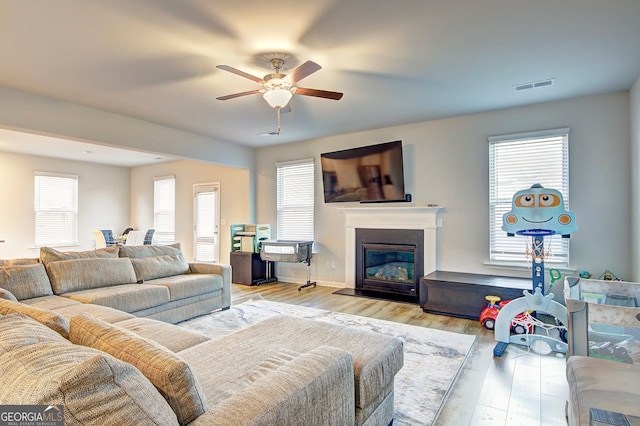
{"type": "Point", "coordinates": [536, 212]}
{"type": "Point", "coordinates": [490, 313]}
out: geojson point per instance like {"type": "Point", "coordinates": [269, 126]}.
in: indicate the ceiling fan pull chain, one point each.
{"type": "Point", "coordinates": [278, 112]}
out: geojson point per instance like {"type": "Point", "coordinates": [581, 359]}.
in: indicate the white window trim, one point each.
{"type": "Point", "coordinates": [525, 264]}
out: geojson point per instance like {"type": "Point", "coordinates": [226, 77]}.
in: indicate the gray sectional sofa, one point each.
{"type": "Point", "coordinates": [146, 281]}
{"type": "Point", "coordinates": [98, 351]}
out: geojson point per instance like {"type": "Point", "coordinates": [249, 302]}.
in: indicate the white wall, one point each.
{"type": "Point", "coordinates": [634, 114]}
{"type": "Point", "coordinates": [446, 163]}
{"type": "Point", "coordinates": [103, 200]}
{"type": "Point", "coordinates": [234, 198]}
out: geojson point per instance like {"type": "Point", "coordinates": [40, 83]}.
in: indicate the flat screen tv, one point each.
{"type": "Point", "coordinates": [372, 173]}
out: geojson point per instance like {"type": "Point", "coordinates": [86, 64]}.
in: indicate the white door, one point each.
{"type": "Point", "coordinates": [206, 221]}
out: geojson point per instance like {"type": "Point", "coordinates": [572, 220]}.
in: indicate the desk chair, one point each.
{"type": "Point", "coordinates": [135, 238]}
{"type": "Point", "coordinates": [108, 237]}
{"type": "Point", "coordinates": [148, 238]}
{"type": "Point", "coordinates": [100, 241]}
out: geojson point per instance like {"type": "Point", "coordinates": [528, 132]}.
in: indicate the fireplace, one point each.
{"type": "Point", "coordinates": [389, 260]}
{"type": "Point", "coordinates": [421, 222]}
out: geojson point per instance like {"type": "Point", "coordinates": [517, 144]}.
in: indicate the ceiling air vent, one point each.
{"type": "Point", "coordinates": [534, 85]}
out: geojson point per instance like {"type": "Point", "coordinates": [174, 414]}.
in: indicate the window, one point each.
{"type": "Point", "coordinates": [295, 186]}
{"type": "Point", "coordinates": [56, 209]}
{"type": "Point", "coordinates": [164, 209]}
{"type": "Point", "coordinates": [516, 162]}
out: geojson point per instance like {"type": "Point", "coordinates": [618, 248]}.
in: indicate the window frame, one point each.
{"type": "Point", "coordinates": [63, 236]}
{"type": "Point", "coordinates": [295, 177]}
{"type": "Point", "coordinates": [163, 215]}
{"type": "Point", "coordinates": [506, 251]}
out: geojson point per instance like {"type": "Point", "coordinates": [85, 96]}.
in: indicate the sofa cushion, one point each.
{"type": "Point", "coordinates": [48, 254]}
{"type": "Point", "coordinates": [189, 285]}
{"type": "Point", "coordinates": [37, 366]}
{"type": "Point", "coordinates": [149, 250]}
{"type": "Point", "coordinates": [25, 281]}
{"type": "Point", "coordinates": [7, 295]}
{"type": "Point", "coordinates": [376, 357]}
{"type": "Point", "coordinates": [81, 274]}
{"type": "Point", "coordinates": [168, 372]}
{"type": "Point", "coordinates": [167, 265]}
{"type": "Point", "coordinates": [51, 319]}
{"type": "Point", "coordinates": [125, 297]}
{"type": "Point", "coordinates": [52, 302]}
{"type": "Point", "coordinates": [168, 335]}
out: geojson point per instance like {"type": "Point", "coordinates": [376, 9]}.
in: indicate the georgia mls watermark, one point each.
{"type": "Point", "coordinates": [31, 415]}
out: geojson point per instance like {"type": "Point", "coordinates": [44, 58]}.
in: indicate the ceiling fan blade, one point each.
{"type": "Point", "coordinates": [319, 93]}
{"type": "Point", "coordinates": [237, 95]}
{"type": "Point", "coordinates": [285, 109]}
{"type": "Point", "coordinates": [301, 72]}
{"type": "Point", "coordinates": [240, 73]}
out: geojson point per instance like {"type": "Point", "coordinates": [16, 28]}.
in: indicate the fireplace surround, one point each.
{"type": "Point", "coordinates": [424, 219]}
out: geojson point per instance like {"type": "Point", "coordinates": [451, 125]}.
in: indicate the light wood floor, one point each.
{"type": "Point", "coordinates": [518, 388]}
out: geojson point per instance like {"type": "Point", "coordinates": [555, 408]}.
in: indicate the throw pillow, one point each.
{"type": "Point", "coordinates": [48, 254]}
{"type": "Point", "coordinates": [26, 281]}
{"type": "Point", "coordinates": [150, 250]}
{"type": "Point", "coordinates": [19, 261]}
{"type": "Point", "coordinates": [7, 295]}
{"type": "Point", "coordinates": [170, 374]}
{"type": "Point", "coordinates": [51, 319]}
{"type": "Point", "coordinates": [149, 268]}
{"type": "Point", "coordinates": [39, 367]}
{"type": "Point", "coordinates": [82, 274]}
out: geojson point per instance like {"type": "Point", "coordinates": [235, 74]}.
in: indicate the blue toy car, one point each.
{"type": "Point", "coordinates": [539, 209]}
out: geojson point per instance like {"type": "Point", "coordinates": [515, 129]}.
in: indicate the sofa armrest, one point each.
{"type": "Point", "coordinates": [315, 388]}
{"type": "Point", "coordinates": [216, 268]}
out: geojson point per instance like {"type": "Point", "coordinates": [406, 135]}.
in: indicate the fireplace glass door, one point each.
{"type": "Point", "coordinates": [389, 267]}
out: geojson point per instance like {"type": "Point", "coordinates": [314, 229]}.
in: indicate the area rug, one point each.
{"type": "Point", "coordinates": [432, 358]}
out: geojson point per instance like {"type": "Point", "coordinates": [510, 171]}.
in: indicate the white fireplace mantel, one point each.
{"type": "Point", "coordinates": [386, 217]}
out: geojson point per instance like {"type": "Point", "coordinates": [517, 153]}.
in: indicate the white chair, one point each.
{"type": "Point", "coordinates": [100, 240]}
{"type": "Point", "coordinates": [135, 238]}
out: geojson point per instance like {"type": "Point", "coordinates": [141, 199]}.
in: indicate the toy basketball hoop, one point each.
{"type": "Point", "coordinates": [534, 243]}
{"type": "Point", "coordinates": [536, 232]}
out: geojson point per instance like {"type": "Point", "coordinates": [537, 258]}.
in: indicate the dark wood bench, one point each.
{"type": "Point", "coordinates": [462, 294]}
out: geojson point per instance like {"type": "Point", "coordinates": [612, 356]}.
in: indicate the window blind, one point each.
{"type": "Point", "coordinates": [516, 162]}
{"type": "Point", "coordinates": [206, 228]}
{"type": "Point", "coordinates": [295, 200]}
{"type": "Point", "coordinates": [56, 209]}
{"type": "Point", "coordinates": [164, 209]}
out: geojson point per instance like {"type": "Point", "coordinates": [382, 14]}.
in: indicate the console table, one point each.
{"type": "Point", "coordinates": [462, 294]}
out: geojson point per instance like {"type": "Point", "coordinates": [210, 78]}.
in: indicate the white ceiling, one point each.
{"type": "Point", "coordinates": [396, 62]}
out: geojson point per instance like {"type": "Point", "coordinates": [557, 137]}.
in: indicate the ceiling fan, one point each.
{"type": "Point", "coordinates": [278, 89]}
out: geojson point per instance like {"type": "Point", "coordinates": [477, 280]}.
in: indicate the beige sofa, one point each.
{"type": "Point", "coordinates": [146, 281]}
{"type": "Point", "coordinates": [107, 366]}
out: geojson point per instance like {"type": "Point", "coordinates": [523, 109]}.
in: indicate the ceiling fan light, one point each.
{"type": "Point", "coordinates": [277, 98]}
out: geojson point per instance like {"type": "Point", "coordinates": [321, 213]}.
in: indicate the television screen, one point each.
{"type": "Point", "coordinates": [366, 174]}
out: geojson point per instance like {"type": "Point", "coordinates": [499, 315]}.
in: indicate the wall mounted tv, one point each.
{"type": "Point", "coordinates": [372, 173]}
